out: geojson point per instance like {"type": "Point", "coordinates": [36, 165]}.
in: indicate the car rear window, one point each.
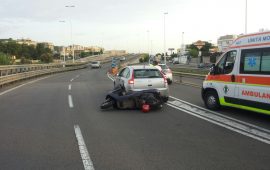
{"type": "Point", "coordinates": [147, 73]}
{"type": "Point", "coordinates": [95, 62]}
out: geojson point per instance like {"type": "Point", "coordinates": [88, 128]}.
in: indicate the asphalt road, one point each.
{"type": "Point", "coordinates": [37, 130]}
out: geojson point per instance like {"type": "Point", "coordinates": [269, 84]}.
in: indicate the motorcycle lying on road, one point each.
{"type": "Point", "coordinates": [145, 99]}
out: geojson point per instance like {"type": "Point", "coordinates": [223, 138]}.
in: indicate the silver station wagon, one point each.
{"type": "Point", "coordinates": [142, 77]}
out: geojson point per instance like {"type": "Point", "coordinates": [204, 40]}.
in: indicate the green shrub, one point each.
{"type": "Point", "coordinates": [4, 59]}
{"type": "Point", "coordinates": [25, 61]}
{"type": "Point", "coordinates": [46, 58]}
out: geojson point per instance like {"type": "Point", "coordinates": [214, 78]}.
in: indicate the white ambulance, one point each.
{"type": "Point", "coordinates": [241, 77]}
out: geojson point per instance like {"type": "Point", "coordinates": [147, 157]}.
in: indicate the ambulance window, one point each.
{"type": "Point", "coordinates": [230, 60]}
{"type": "Point", "coordinates": [226, 64]}
{"type": "Point", "coordinates": [255, 61]}
{"type": "Point", "coordinates": [220, 65]}
{"type": "Point", "coordinates": [252, 62]}
{"type": "Point", "coordinates": [265, 62]}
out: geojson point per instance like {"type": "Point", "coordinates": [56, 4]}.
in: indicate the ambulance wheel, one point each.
{"type": "Point", "coordinates": [211, 100]}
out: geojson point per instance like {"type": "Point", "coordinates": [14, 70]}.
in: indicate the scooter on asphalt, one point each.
{"type": "Point", "coordinates": [144, 100]}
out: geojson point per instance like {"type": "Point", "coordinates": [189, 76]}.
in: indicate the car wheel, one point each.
{"type": "Point", "coordinates": [169, 82]}
{"type": "Point", "coordinates": [211, 100]}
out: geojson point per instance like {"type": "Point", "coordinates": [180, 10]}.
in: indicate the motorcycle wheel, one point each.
{"type": "Point", "coordinates": [107, 104]}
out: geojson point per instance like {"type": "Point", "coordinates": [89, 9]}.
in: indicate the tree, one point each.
{"type": "Point", "coordinates": [41, 49]}
{"type": "Point", "coordinates": [173, 55]}
{"type": "Point", "coordinates": [193, 52]}
{"type": "Point", "coordinates": [46, 58]}
{"type": "Point", "coordinates": [4, 59]}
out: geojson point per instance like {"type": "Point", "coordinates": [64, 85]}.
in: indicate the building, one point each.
{"type": "Point", "coordinates": [94, 49]}
{"type": "Point", "coordinates": [225, 41]}
{"type": "Point", "coordinates": [27, 42]}
{"type": "Point", "coordinates": [47, 45]}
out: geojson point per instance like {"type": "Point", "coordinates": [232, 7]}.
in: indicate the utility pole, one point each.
{"type": "Point", "coordinates": [73, 54]}
{"type": "Point", "coordinates": [165, 57]}
{"type": "Point", "coordinates": [246, 17]}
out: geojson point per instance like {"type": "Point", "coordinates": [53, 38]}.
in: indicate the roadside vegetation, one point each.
{"type": "Point", "coordinates": [144, 58]}
{"type": "Point", "coordinates": [24, 52]}
{"type": "Point", "coordinates": [4, 59]}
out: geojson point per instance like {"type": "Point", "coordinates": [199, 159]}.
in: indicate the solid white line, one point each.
{"type": "Point", "coordinates": [69, 87]}
{"type": "Point", "coordinates": [31, 82]}
{"type": "Point", "coordinates": [221, 115]}
{"type": "Point", "coordinates": [228, 124]}
{"type": "Point", "coordinates": [87, 162]}
{"type": "Point", "coordinates": [70, 102]}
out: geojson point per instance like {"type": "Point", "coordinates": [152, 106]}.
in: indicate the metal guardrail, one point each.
{"type": "Point", "coordinates": [181, 75]}
{"type": "Point", "coordinates": [35, 73]}
{"type": "Point", "coordinates": [13, 73]}
{"type": "Point", "coordinates": [16, 69]}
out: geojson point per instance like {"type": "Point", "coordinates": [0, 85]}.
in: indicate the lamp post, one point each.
{"type": "Point", "coordinates": [165, 13]}
{"type": "Point", "coordinates": [148, 42]}
{"type": "Point", "coordinates": [71, 6]}
{"type": "Point", "coordinates": [64, 47]}
{"type": "Point", "coordinates": [246, 17]}
{"type": "Point", "coordinates": [183, 45]}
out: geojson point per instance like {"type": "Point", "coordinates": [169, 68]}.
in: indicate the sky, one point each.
{"type": "Point", "coordinates": [127, 24]}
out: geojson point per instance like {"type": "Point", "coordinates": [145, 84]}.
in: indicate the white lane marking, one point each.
{"type": "Point", "coordinates": [70, 102]}
{"type": "Point", "coordinates": [110, 77]}
{"type": "Point", "coordinates": [77, 76]}
{"type": "Point", "coordinates": [71, 80]}
{"type": "Point", "coordinates": [221, 115]}
{"type": "Point", "coordinates": [69, 87]}
{"type": "Point", "coordinates": [235, 125]}
{"type": "Point", "coordinates": [243, 129]}
{"type": "Point", "coordinates": [87, 162]}
{"type": "Point", "coordinates": [31, 82]}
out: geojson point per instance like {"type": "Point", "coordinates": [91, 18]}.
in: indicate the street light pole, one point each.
{"type": "Point", "coordinates": [246, 17]}
{"type": "Point", "coordinates": [183, 45]}
{"type": "Point", "coordinates": [64, 47]}
{"type": "Point", "coordinates": [165, 57]}
{"type": "Point", "coordinates": [73, 55]}
{"type": "Point", "coordinates": [148, 39]}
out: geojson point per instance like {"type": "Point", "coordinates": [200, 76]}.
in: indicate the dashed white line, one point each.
{"type": "Point", "coordinates": [87, 162]}
{"type": "Point", "coordinates": [71, 80]}
{"type": "Point", "coordinates": [70, 102]}
{"type": "Point", "coordinates": [69, 87]}
{"type": "Point", "coordinates": [77, 76]}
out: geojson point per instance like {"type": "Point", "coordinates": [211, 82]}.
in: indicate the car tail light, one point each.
{"type": "Point", "coordinates": [164, 77]}
{"type": "Point", "coordinates": [131, 81]}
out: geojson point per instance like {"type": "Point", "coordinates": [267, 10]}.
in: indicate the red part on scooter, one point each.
{"type": "Point", "coordinates": [145, 108]}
